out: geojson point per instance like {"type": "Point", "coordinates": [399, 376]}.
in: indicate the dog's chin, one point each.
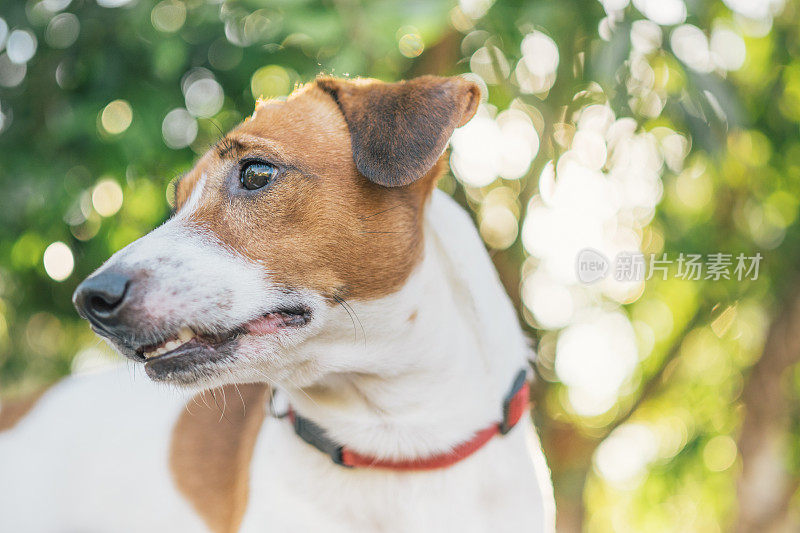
{"type": "Point", "coordinates": [193, 358]}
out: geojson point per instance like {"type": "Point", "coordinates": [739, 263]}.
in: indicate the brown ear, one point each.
{"type": "Point", "coordinates": [399, 130]}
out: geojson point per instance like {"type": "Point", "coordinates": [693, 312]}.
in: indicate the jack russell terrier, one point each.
{"type": "Point", "coordinates": [364, 368]}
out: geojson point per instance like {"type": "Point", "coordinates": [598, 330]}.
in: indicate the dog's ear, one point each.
{"type": "Point", "coordinates": [399, 130]}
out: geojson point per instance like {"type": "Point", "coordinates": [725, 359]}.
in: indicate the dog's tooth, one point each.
{"type": "Point", "coordinates": [185, 335]}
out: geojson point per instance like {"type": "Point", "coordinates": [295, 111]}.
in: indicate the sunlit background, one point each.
{"type": "Point", "coordinates": [652, 126]}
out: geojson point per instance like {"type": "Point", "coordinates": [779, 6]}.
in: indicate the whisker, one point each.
{"type": "Point", "coordinates": [379, 212]}
{"type": "Point", "coordinates": [275, 385]}
{"type": "Point", "coordinates": [205, 398]}
{"type": "Point", "coordinates": [236, 386]}
{"type": "Point", "coordinates": [301, 390]}
{"type": "Point", "coordinates": [349, 309]}
{"type": "Point", "coordinates": [219, 129]}
{"type": "Point", "coordinates": [187, 405]}
{"type": "Point", "coordinates": [224, 403]}
{"type": "Point", "coordinates": [341, 302]}
{"type": "Point", "coordinates": [363, 331]}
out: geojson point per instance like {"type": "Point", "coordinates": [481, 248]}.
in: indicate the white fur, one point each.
{"type": "Point", "coordinates": [92, 457]}
{"type": "Point", "coordinates": [379, 382]}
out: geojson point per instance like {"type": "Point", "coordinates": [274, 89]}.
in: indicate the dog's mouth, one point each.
{"type": "Point", "coordinates": [189, 340]}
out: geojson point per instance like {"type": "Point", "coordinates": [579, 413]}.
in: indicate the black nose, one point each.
{"type": "Point", "coordinates": [99, 298]}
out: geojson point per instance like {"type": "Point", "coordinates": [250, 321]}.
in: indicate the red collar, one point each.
{"type": "Point", "coordinates": [515, 405]}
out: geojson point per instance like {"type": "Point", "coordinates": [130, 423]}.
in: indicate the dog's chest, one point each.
{"type": "Point", "coordinates": [294, 487]}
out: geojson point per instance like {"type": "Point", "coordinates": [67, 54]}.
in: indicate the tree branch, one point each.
{"type": "Point", "coordinates": [765, 487]}
{"type": "Point", "coordinates": [656, 379]}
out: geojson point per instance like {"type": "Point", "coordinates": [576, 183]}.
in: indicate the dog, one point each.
{"type": "Point", "coordinates": [365, 370]}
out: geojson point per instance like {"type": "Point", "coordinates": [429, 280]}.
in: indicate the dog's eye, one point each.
{"type": "Point", "coordinates": [255, 175]}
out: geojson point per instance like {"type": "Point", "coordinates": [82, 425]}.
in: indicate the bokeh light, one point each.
{"type": "Point", "coordinates": [594, 358]}
{"type": "Point", "coordinates": [475, 9]}
{"type": "Point", "coordinates": [179, 128]}
{"type": "Point", "coordinates": [20, 46]}
{"type": "Point", "coordinates": [62, 30]}
{"type": "Point", "coordinates": [623, 457]}
{"type": "Point", "coordinates": [664, 12]}
{"type": "Point", "coordinates": [113, 3]}
{"type": "Point", "coordinates": [107, 197]}
{"type": "Point", "coordinates": [224, 56]}
{"type": "Point", "coordinates": [44, 334]}
{"type": "Point", "coordinates": [54, 6]}
{"type": "Point", "coordinates": [410, 42]}
{"type": "Point", "coordinates": [487, 148]}
{"type": "Point", "coordinates": [551, 302]}
{"type": "Point", "coordinates": [691, 46]}
{"type": "Point", "coordinates": [204, 97]}
{"type": "Point", "coordinates": [498, 226]}
{"type": "Point", "coordinates": [727, 48]}
{"type": "Point", "coordinates": [58, 261]}
{"type": "Point", "coordinates": [270, 81]}
{"type": "Point", "coordinates": [11, 74]}
{"type": "Point", "coordinates": [612, 6]}
{"type": "Point", "coordinates": [116, 117]}
{"type": "Point", "coordinates": [168, 16]}
{"type": "Point", "coordinates": [540, 54]}
{"type": "Point", "coordinates": [258, 26]}
{"type": "Point", "coordinates": [719, 453]}
{"type": "Point", "coordinates": [755, 9]}
{"type": "Point", "coordinates": [490, 64]}
{"type": "Point", "coordinates": [536, 71]}
{"type": "Point", "coordinates": [3, 33]}
{"type": "Point", "coordinates": [5, 118]}
{"type": "Point", "coordinates": [646, 36]}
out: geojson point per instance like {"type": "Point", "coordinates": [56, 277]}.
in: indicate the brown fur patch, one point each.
{"type": "Point", "coordinates": [210, 453]}
{"type": "Point", "coordinates": [12, 411]}
{"type": "Point", "coordinates": [320, 224]}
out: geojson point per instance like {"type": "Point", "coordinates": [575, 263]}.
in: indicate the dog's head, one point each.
{"type": "Point", "coordinates": [310, 203]}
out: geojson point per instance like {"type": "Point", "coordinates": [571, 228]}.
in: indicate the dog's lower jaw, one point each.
{"type": "Point", "coordinates": [193, 367]}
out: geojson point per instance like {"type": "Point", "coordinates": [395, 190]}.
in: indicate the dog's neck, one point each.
{"type": "Point", "coordinates": [433, 361]}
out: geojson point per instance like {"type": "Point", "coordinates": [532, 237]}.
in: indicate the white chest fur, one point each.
{"type": "Point", "coordinates": [296, 488]}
